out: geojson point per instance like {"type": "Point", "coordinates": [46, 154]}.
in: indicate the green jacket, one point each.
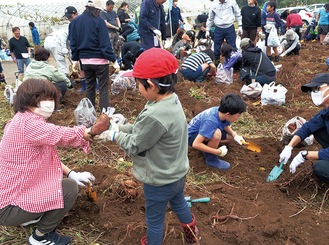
{"type": "Point", "coordinates": [157, 142]}
{"type": "Point", "coordinates": [43, 70]}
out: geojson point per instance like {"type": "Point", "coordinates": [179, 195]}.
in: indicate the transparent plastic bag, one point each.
{"type": "Point", "coordinates": [291, 127]}
{"type": "Point", "coordinates": [85, 113]}
{"type": "Point", "coordinates": [121, 83]}
{"type": "Point", "coordinates": [223, 75]}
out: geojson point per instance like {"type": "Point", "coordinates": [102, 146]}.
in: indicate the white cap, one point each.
{"type": "Point", "coordinates": [95, 4]}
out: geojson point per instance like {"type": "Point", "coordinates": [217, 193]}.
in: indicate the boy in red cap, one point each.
{"type": "Point", "coordinates": [157, 143]}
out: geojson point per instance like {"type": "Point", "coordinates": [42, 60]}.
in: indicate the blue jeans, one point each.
{"type": "Point", "coordinates": [223, 33]}
{"type": "Point", "coordinates": [195, 76]}
{"type": "Point", "coordinates": [62, 87]}
{"type": "Point", "coordinates": [157, 198]}
{"type": "Point", "coordinates": [264, 79]}
{"type": "Point", "coordinates": [20, 64]}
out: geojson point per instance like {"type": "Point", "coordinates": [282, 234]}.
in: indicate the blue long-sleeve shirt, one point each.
{"type": "Point", "coordinates": [152, 16]}
{"type": "Point", "coordinates": [319, 121]}
{"type": "Point", "coordinates": [229, 62]}
{"type": "Point", "coordinates": [35, 36]}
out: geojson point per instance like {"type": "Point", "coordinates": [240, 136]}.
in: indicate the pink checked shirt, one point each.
{"type": "Point", "coordinates": [30, 168]}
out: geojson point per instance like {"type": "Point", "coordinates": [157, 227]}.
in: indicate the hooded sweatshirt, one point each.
{"type": "Point", "coordinates": [251, 57]}
{"type": "Point", "coordinates": [42, 70]}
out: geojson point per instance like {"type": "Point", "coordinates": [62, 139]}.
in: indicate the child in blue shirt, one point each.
{"type": "Point", "coordinates": [212, 127]}
{"type": "Point", "coordinates": [272, 19]}
{"type": "Point", "coordinates": [157, 143]}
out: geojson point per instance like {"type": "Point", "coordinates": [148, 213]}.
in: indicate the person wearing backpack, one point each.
{"type": "Point", "coordinates": [258, 66]}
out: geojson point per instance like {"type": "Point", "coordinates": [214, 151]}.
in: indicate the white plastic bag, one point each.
{"type": "Point", "coordinates": [85, 113]}
{"type": "Point", "coordinates": [121, 83]}
{"type": "Point", "coordinates": [253, 90]}
{"type": "Point", "coordinates": [223, 75]}
{"type": "Point", "coordinates": [273, 38]}
{"type": "Point", "coordinates": [261, 44]}
{"type": "Point", "coordinates": [9, 94]}
{"type": "Point", "coordinates": [291, 127]}
{"type": "Point", "coordinates": [326, 39]}
{"type": "Point", "coordinates": [273, 94]}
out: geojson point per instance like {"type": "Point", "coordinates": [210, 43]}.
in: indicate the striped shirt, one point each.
{"type": "Point", "coordinates": [196, 60]}
{"type": "Point", "coordinates": [30, 168]}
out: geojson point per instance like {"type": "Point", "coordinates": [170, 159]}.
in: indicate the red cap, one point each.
{"type": "Point", "coordinates": [154, 63]}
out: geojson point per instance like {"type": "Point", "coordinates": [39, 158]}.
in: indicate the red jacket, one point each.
{"type": "Point", "coordinates": [294, 20]}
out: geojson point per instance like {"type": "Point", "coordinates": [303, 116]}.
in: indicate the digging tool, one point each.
{"type": "Point", "coordinates": [252, 146]}
{"type": "Point", "coordinates": [160, 41]}
{"type": "Point", "coordinates": [190, 201]}
{"type": "Point", "coordinates": [275, 172]}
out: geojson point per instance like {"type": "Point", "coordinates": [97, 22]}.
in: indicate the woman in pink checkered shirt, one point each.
{"type": "Point", "coordinates": [32, 187]}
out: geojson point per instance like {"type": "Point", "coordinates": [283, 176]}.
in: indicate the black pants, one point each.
{"type": "Point", "coordinates": [321, 167]}
{"type": "Point", "coordinates": [126, 30]}
{"type": "Point", "coordinates": [128, 60]}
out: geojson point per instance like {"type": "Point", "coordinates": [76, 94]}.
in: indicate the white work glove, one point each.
{"type": "Point", "coordinates": [285, 154]}
{"type": "Point", "coordinates": [82, 177]}
{"type": "Point", "coordinates": [283, 54]}
{"type": "Point", "coordinates": [108, 135]}
{"type": "Point", "coordinates": [65, 51]}
{"type": "Point", "coordinates": [224, 151]}
{"type": "Point", "coordinates": [268, 27]}
{"type": "Point", "coordinates": [298, 160]}
{"type": "Point", "coordinates": [157, 32]}
{"type": "Point", "coordinates": [114, 126]}
{"type": "Point", "coordinates": [207, 34]}
{"type": "Point", "coordinates": [239, 139]}
{"type": "Point", "coordinates": [240, 31]}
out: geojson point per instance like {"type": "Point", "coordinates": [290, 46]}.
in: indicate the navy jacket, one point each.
{"type": "Point", "coordinates": [319, 121]}
{"type": "Point", "coordinates": [89, 38]}
{"type": "Point", "coordinates": [152, 16]}
{"type": "Point", "coordinates": [175, 15]}
{"type": "Point", "coordinates": [251, 57]}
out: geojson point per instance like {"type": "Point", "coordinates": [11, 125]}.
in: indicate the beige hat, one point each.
{"type": "Point", "coordinates": [290, 35]}
{"type": "Point", "coordinates": [95, 4]}
{"type": "Point", "coordinates": [244, 42]}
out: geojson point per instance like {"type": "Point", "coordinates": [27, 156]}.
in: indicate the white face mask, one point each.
{"type": "Point", "coordinates": [317, 97]}
{"type": "Point", "coordinates": [45, 109]}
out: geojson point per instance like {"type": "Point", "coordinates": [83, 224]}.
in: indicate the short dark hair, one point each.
{"type": "Point", "coordinates": [31, 24]}
{"type": "Point", "coordinates": [41, 54]}
{"type": "Point", "coordinates": [109, 2]}
{"type": "Point", "coordinates": [272, 4]}
{"type": "Point", "coordinates": [294, 11]}
{"type": "Point", "coordinates": [15, 29]}
{"type": "Point", "coordinates": [32, 91]}
{"type": "Point", "coordinates": [169, 80]}
{"type": "Point", "coordinates": [326, 6]}
{"type": "Point", "coordinates": [210, 53]}
{"type": "Point", "coordinates": [232, 104]}
{"type": "Point", "coordinates": [226, 50]}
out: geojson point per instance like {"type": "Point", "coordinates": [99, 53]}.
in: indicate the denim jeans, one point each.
{"type": "Point", "coordinates": [20, 64]}
{"type": "Point", "coordinates": [223, 33]}
{"type": "Point", "coordinates": [157, 198]}
{"type": "Point", "coordinates": [195, 76]}
{"type": "Point", "coordinates": [93, 74]}
{"type": "Point", "coordinates": [62, 87]}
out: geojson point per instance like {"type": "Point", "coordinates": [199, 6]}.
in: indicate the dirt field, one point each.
{"type": "Point", "coordinates": [292, 210]}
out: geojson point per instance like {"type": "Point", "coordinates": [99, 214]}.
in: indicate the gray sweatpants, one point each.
{"type": "Point", "coordinates": [15, 216]}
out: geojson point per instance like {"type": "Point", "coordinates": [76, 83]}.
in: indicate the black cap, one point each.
{"type": "Point", "coordinates": [69, 11]}
{"type": "Point", "coordinates": [317, 81]}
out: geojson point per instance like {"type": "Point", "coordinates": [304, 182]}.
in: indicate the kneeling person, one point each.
{"type": "Point", "coordinates": [212, 127]}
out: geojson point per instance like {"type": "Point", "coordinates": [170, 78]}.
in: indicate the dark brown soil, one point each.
{"type": "Point", "coordinates": [281, 212]}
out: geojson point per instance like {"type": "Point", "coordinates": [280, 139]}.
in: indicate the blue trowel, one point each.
{"type": "Point", "coordinates": [275, 172]}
